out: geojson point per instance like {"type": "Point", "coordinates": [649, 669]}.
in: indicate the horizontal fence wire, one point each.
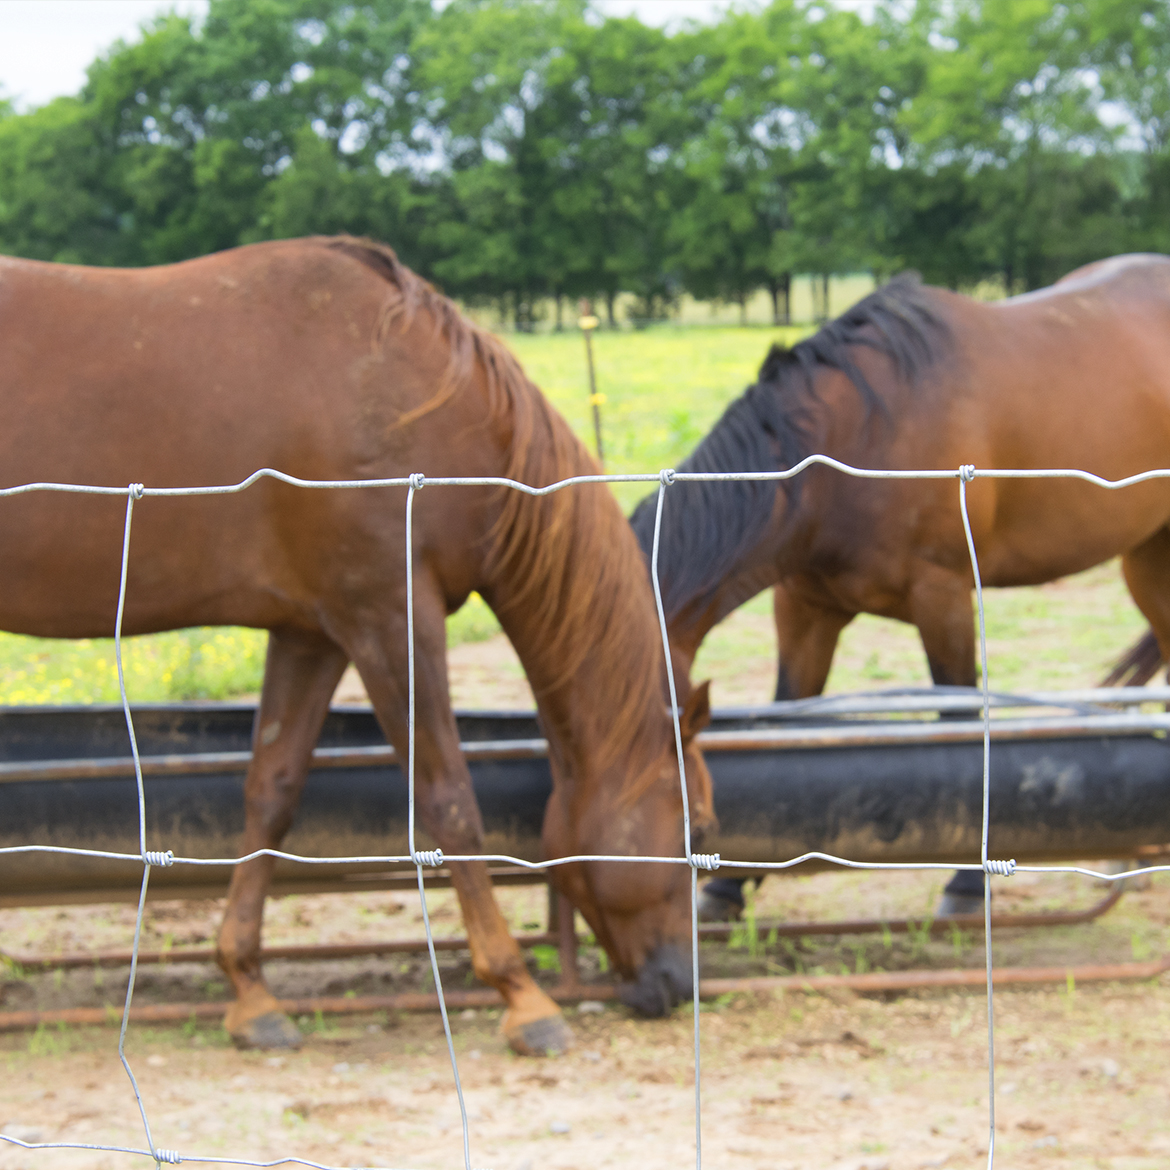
{"type": "Point", "coordinates": [424, 859]}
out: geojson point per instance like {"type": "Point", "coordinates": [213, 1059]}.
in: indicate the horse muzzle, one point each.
{"type": "Point", "coordinates": [663, 981]}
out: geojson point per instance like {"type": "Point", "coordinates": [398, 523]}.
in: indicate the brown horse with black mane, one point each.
{"type": "Point", "coordinates": [1073, 376]}
{"type": "Point", "coordinates": [328, 359]}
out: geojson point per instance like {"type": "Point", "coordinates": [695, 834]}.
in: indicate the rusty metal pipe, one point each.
{"type": "Point", "coordinates": [872, 983]}
{"type": "Point", "coordinates": [934, 925]}
{"type": "Point", "coordinates": [566, 942]}
{"type": "Point", "coordinates": [405, 946]}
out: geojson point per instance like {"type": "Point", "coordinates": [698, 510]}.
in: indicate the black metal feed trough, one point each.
{"type": "Point", "coordinates": [872, 778]}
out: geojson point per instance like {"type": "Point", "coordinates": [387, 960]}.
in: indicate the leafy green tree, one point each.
{"type": "Point", "coordinates": [57, 201]}
{"type": "Point", "coordinates": [854, 82]}
{"type": "Point", "coordinates": [520, 149]}
{"type": "Point", "coordinates": [193, 139]}
{"type": "Point", "coordinates": [1130, 53]}
{"type": "Point", "coordinates": [557, 135]}
{"type": "Point", "coordinates": [483, 69]}
{"type": "Point", "coordinates": [623, 119]}
{"type": "Point", "coordinates": [730, 229]}
{"type": "Point", "coordinates": [1007, 108]}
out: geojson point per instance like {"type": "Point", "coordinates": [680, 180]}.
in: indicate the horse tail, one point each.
{"type": "Point", "coordinates": [1137, 665]}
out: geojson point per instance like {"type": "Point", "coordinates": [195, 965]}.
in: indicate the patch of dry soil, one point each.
{"type": "Point", "coordinates": [797, 1081]}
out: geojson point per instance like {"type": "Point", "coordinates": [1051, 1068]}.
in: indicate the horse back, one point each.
{"type": "Point", "coordinates": [281, 355]}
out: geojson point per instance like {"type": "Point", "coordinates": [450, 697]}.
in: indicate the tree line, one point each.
{"type": "Point", "coordinates": [530, 152]}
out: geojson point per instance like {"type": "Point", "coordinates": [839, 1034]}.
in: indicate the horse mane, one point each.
{"type": "Point", "coordinates": [707, 528]}
{"type": "Point", "coordinates": [572, 551]}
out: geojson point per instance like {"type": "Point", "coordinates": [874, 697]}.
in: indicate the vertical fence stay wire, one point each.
{"type": "Point", "coordinates": [966, 475]}
{"type": "Point", "coordinates": [428, 857]}
{"type": "Point", "coordinates": [133, 492]}
{"type": "Point", "coordinates": [666, 477]}
{"type": "Point", "coordinates": [422, 858]}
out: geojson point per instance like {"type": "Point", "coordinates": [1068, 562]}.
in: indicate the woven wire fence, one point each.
{"type": "Point", "coordinates": [426, 859]}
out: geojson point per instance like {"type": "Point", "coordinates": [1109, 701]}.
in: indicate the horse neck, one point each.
{"type": "Point", "coordinates": [755, 570]}
{"type": "Point", "coordinates": [565, 576]}
{"type": "Point", "coordinates": [571, 592]}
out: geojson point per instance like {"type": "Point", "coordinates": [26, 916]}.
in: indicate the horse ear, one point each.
{"type": "Point", "coordinates": [696, 712]}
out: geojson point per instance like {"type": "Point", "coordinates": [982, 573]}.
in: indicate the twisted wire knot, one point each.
{"type": "Point", "coordinates": [1003, 868]}
{"type": "Point", "coordinates": [136, 490]}
{"type": "Point", "coordinates": [967, 472]}
{"type": "Point", "coordinates": [432, 857]}
{"type": "Point", "coordinates": [666, 476]}
{"type": "Point", "coordinates": [417, 479]}
{"type": "Point", "coordinates": [705, 860]}
{"type": "Point", "coordinates": [166, 860]}
{"type": "Point", "coordinates": [171, 1156]}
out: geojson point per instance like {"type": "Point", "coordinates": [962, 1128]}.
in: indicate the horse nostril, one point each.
{"type": "Point", "coordinates": [663, 981]}
{"type": "Point", "coordinates": [650, 995]}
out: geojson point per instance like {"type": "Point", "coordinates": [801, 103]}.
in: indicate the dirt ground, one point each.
{"type": "Point", "coordinates": [795, 1080]}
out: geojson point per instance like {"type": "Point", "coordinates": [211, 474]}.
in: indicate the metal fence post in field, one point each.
{"type": "Point", "coordinates": [588, 323]}
{"type": "Point", "coordinates": [423, 859]}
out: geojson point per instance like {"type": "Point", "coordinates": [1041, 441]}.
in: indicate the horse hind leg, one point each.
{"type": "Point", "coordinates": [300, 676]}
{"type": "Point", "coordinates": [1147, 574]}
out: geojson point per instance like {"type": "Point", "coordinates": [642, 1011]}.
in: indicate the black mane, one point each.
{"type": "Point", "coordinates": [707, 528]}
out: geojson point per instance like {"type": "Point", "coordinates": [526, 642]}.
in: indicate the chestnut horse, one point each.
{"type": "Point", "coordinates": [1073, 376]}
{"type": "Point", "coordinates": [328, 359]}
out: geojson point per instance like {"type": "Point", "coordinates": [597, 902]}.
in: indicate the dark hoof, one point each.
{"type": "Point", "coordinates": [549, 1036]}
{"type": "Point", "coordinates": [271, 1030]}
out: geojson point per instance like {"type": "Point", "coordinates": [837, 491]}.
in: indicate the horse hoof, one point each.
{"type": "Point", "coordinates": [271, 1030]}
{"type": "Point", "coordinates": [548, 1036]}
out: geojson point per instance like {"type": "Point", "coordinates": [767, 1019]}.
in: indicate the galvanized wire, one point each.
{"type": "Point", "coordinates": [700, 860]}
{"type": "Point", "coordinates": [424, 858]}
{"type": "Point", "coordinates": [666, 478]}
{"type": "Point", "coordinates": [966, 474]}
{"type": "Point", "coordinates": [434, 857]}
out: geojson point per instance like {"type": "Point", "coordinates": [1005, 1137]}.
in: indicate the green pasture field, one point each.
{"type": "Point", "coordinates": [664, 388]}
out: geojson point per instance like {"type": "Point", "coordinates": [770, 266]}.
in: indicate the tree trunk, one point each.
{"type": "Point", "coordinates": [559, 297]}
{"type": "Point", "coordinates": [610, 297]}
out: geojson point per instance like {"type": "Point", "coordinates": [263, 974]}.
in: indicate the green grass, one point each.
{"type": "Point", "coordinates": [185, 664]}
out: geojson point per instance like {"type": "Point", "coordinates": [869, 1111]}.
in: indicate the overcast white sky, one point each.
{"type": "Point", "coordinates": [45, 45]}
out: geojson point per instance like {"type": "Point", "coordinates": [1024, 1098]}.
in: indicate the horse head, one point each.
{"type": "Point", "coordinates": [640, 911]}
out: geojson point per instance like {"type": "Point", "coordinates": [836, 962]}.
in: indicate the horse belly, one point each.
{"type": "Point", "coordinates": [1076, 380]}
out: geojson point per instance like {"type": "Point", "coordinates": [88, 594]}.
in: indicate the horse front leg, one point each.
{"type": "Point", "coordinates": [806, 638]}
{"type": "Point", "coordinates": [940, 606]}
{"type": "Point", "coordinates": [446, 807]}
{"type": "Point", "coordinates": [300, 676]}
{"type": "Point", "coordinates": [533, 1024]}
{"type": "Point", "coordinates": [1147, 575]}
